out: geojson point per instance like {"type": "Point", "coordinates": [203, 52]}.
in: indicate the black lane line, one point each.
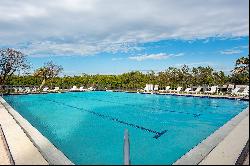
{"type": "Point", "coordinates": [156, 136]}
{"type": "Point", "coordinates": [195, 115]}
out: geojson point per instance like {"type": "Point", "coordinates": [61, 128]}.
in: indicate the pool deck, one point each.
{"type": "Point", "coordinates": [21, 148]}
{"type": "Point", "coordinates": [4, 158]}
{"type": "Point", "coordinates": [205, 95]}
{"type": "Point", "coordinates": [228, 151]}
{"type": "Point", "coordinates": [26, 144]}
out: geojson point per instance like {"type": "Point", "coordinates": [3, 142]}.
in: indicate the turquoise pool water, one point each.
{"type": "Point", "coordinates": [88, 127]}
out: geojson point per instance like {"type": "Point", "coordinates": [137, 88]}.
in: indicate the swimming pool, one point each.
{"type": "Point", "coordinates": [89, 127]}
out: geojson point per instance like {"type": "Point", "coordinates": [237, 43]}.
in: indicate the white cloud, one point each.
{"type": "Point", "coordinates": [234, 50]}
{"type": "Point", "coordinates": [80, 48]}
{"type": "Point", "coordinates": [91, 26]}
{"type": "Point", "coordinates": [158, 56]}
{"type": "Point", "coordinates": [229, 52]}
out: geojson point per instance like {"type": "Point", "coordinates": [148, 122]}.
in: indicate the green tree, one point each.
{"type": "Point", "coordinates": [48, 72]}
{"type": "Point", "coordinates": [240, 73]}
{"type": "Point", "coordinates": [11, 62]}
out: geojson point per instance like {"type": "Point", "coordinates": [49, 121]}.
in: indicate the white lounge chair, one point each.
{"type": "Point", "coordinates": [45, 89]}
{"type": "Point", "coordinates": [74, 89]}
{"type": "Point", "coordinates": [15, 90]}
{"type": "Point", "coordinates": [27, 90]}
{"type": "Point", "coordinates": [149, 87]}
{"type": "Point", "coordinates": [146, 89]}
{"type": "Point", "coordinates": [56, 89]}
{"type": "Point", "coordinates": [82, 89]}
{"type": "Point", "coordinates": [177, 90]}
{"type": "Point", "coordinates": [213, 90]}
{"type": "Point", "coordinates": [91, 88]}
{"type": "Point", "coordinates": [230, 88]}
{"type": "Point", "coordinates": [20, 90]}
{"type": "Point", "coordinates": [197, 90]}
{"type": "Point", "coordinates": [34, 89]}
{"type": "Point", "coordinates": [156, 88]}
{"type": "Point", "coordinates": [244, 93]}
{"type": "Point", "coordinates": [166, 89]}
{"type": "Point", "coordinates": [187, 90]}
{"type": "Point", "coordinates": [235, 91]}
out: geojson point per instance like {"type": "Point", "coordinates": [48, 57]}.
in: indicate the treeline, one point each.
{"type": "Point", "coordinates": [12, 61]}
{"type": "Point", "coordinates": [173, 77]}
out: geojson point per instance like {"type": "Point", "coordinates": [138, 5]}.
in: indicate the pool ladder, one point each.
{"type": "Point", "coordinates": [126, 148]}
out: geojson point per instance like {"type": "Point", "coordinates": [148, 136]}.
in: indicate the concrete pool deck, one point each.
{"type": "Point", "coordinates": [228, 150]}
{"type": "Point", "coordinates": [4, 158]}
{"type": "Point", "coordinates": [21, 148]}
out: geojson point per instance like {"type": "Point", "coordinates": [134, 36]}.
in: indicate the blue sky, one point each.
{"type": "Point", "coordinates": [217, 52]}
{"type": "Point", "coordinates": [114, 36]}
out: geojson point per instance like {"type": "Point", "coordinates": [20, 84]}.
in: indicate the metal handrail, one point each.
{"type": "Point", "coordinates": [126, 148]}
{"type": "Point", "coordinates": [6, 146]}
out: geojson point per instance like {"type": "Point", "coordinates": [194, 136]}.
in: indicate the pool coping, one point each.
{"type": "Point", "coordinates": [198, 153]}
{"type": "Point", "coordinates": [49, 151]}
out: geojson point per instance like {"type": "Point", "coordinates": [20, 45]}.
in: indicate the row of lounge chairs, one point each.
{"type": "Point", "coordinates": [81, 89]}
{"type": "Point", "coordinates": [73, 89]}
{"type": "Point", "coordinates": [238, 91]}
{"type": "Point", "coordinates": [34, 90]}
{"type": "Point", "coordinates": [25, 90]}
{"type": "Point", "coordinates": [28, 90]}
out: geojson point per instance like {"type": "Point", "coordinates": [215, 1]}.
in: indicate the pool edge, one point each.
{"type": "Point", "coordinates": [48, 150]}
{"type": "Point", "coordinates": [198, 153]}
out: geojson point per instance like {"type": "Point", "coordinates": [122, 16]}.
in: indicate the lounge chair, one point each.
{"type": "Point", "coordinates": [213, 90]}
{"type": "Point", "coordinates": [74, 89]}
{"type": "Point", "coordinates": [34, 90]}
{"type": "Point", "coordinates": [235, 91]}
{"type": "Point", "coordinates": [15, 90]}
{"type": "Point", "coordinates": [20, 90]}
{"type": "Point", "coordinates": [177, 90]}
{"type": "Point", "coordinates": [45, 89]}
{"type": "Point", "coordinates": [146, 89]}
{"type": "Point", "coordinates": [187, 90]}
{"type": "Point", "coordinates": [91, 88]}
{"type": "Point", "coordinates": [82, 89]}
{"type": "Point", "coordinates": [244, 93]}
{"type": "Point", "coordinates": [156, 88]}
{"type": "Point", "coordinates": [230, 88]}
{"type": "Point", "coordinates": [149, 87]}
{"type": "Point", "coordinates": [197, 90]}
{"type": "Point", "coordinates": [166, 89]}
{"type": "Point", "coordinates": [27, 90]}
{"type": "Point", "coordinates": [56, 89]}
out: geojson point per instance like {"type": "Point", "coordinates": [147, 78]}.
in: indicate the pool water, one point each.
{"type": "Point", "coordinates": [88, 127]}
